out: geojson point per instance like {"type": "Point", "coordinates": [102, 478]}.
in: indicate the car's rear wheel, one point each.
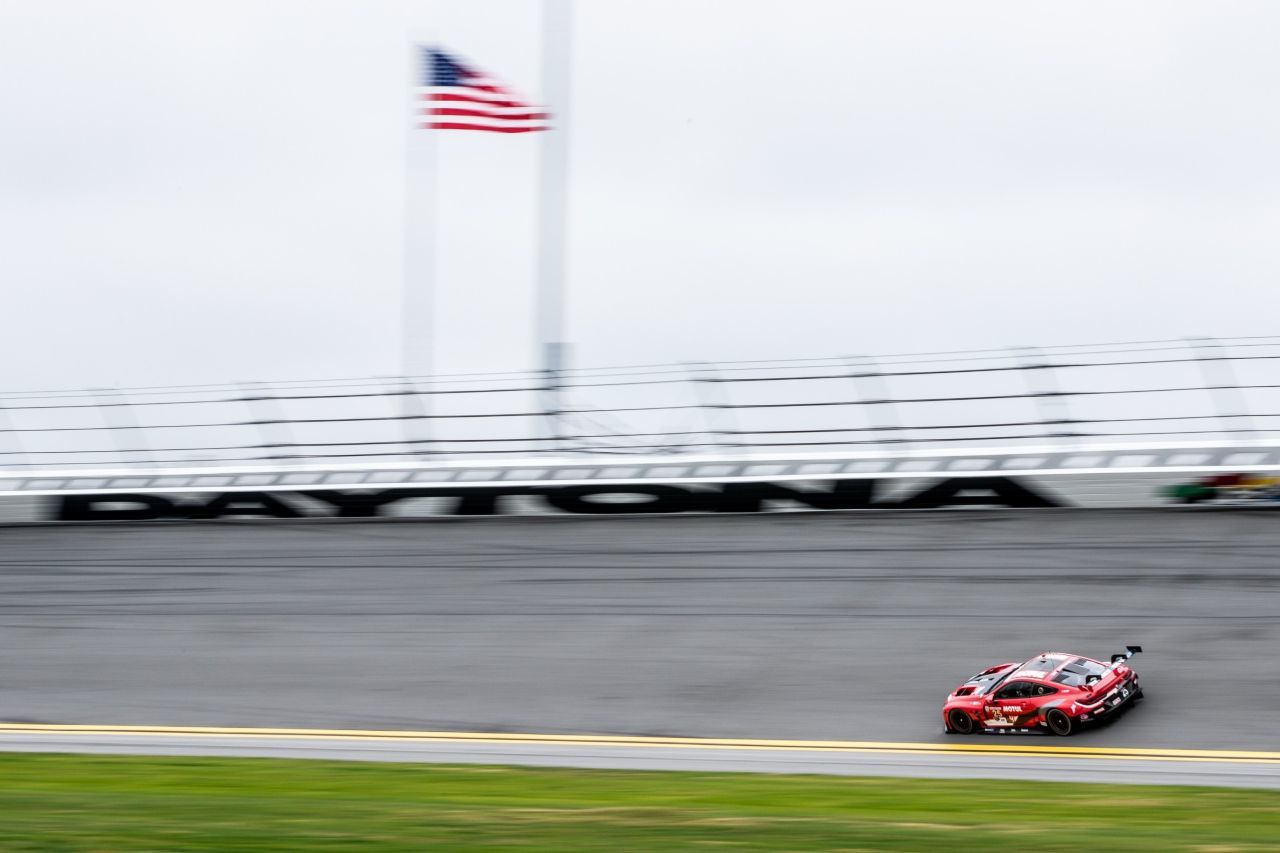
{"type": "Point", "coordinates": [960, 722]}
{"type": "Point", "coordinates": [1059, 723]}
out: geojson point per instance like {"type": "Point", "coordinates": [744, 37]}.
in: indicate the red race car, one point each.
{"type": "Point", "coordinates": [1054, 691]}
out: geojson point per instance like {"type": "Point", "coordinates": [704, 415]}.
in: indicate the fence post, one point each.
{"type": "Point", "coordinates": [117, 417]}
{"type": "Point", "coordinates": [553, 408]}
{"type": "Point", "coordinates": [268, 417]}
{"type": "Point", "coordinates": [1224, 389]}
{"type": "Point", "coordinates": [415, 414]}
{"type": "Point", "coordinates": [6, 426]}
{"type": "Point", "coordinates": [865, 369]}
{"type": "Point", "coordinates": [1050, 400]}
{"type": "Point", "coordinates": [711, 399]}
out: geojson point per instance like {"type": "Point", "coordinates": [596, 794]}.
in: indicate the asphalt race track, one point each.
{"type": "Point", "coordinates": [823, 626]}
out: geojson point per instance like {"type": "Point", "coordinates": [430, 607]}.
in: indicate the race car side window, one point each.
{"type": "Point", "coordinates": [1016, 690]}
{"type": "Point", "coordinates": [1044, 690]}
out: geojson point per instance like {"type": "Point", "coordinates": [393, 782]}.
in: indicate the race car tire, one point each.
{"type": "Point", "coordinates": [960, 723]}
{"type": "Point", "coordinates": [1058, 722]}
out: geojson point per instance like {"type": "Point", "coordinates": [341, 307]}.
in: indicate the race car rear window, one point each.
{"type": "Point", "coordinates": [1086, 666]}
{"type": "Point", "coordinates": [1076, 673]}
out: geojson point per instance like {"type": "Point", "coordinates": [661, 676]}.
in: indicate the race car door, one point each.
{"type": "Point", "coordinates": [1012, 706]}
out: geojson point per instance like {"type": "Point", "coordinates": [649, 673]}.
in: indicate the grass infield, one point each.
{"type": "Point", "coordinates": [108, 803]}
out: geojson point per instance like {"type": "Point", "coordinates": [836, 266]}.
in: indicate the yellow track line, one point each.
{"type": "Point", "coordinates": [655, 742]}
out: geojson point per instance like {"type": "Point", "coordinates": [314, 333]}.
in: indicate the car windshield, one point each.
{"type": "Point", "coordinates": [1040, 665]}
{"type": "Point", "coordinates": [983, 684]}
{"type": "Point", "coordinates": [1076, 673]}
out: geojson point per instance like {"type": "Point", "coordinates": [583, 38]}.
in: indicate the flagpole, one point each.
{"type": "Point", "coordinates": [417, 314]}
{"type": "Point", "coordinates": [553, 178]}
{"type": "Point", "coordinates": [419, 285]}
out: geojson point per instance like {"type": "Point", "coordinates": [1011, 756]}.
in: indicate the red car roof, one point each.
{"type": "Point", "coordinates": [1045, 665]}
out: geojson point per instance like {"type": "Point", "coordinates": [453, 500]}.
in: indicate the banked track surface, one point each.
{"type": "Point", "coordinates": [824, 626]}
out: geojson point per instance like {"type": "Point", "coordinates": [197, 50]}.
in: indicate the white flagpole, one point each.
{"type": "Point", "coordinates": [553, 178]}
{"type": "Point", "coordinates": [418, 326]}
{"type": "Point", "coordinates": [417, 314]}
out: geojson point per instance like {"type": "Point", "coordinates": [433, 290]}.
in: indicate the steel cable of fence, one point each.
{"type": "Point", "coordinates": [230, 400]}
{"type": "Point", "coordinates": [740, 432]}
{"type": "Point", "coordinates": [610, 450]}
{"type": "Point", "coordinates": [615, 435]}
{"type": "Point", "coordinates": [668, 369]}
{"type": "Point", "coordinates": [250, 398]}
{"type": "Point", "coordinates": [633, 450]}
{"type": "Point", "coordinates": [948, 426]}
{"type": "Point", "coordinates": [305, 419]}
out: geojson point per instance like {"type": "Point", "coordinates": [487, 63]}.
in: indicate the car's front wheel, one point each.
{"type": "Point", "coordinates": [960, 722]}
{"type": "Point", "coordinates": [1058, 722]}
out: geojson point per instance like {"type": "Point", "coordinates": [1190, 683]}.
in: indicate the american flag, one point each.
{"type": "Point", "coordinates": [456, 97]}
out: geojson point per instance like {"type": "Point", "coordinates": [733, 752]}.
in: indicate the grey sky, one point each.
{"type": "Point", "coordinates": [203, 191]}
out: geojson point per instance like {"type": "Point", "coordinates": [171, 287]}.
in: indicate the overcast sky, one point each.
{"type": "Point", "coordinates": [208, 191]}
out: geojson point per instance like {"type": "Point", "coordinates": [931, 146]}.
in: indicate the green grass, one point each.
{"type": "Point", "coordinates": [110, 803]}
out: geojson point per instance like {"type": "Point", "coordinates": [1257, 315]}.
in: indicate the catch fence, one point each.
{"type": "Point", "coordinates": [1167, 392]}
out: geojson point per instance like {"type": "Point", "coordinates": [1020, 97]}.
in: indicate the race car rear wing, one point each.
{"type": "Point", "coordinates": [1121, 657]}
{"type": "Point", "coordinates": [1117, 660]}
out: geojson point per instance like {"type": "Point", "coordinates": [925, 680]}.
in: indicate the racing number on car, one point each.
{"type": "Point", "coordinates": [1004, 714]}
{"type": "Point", "coordinates": [1011, 706]}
